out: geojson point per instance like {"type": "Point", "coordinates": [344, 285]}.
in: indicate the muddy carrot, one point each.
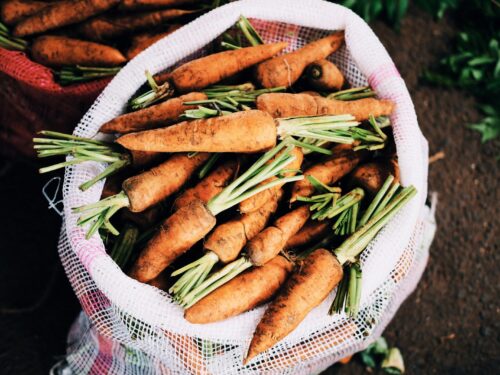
{"type": "Point", "coordinates": [324, 75]}
{"type": "Point", "coordinates": [153, 4]}
{"type": "Point", "coordinates": [13, 11]}
{"type": "Point", "coordinates": [159, 115]}
{"type": "Point", "coordinates": [56, 51]}
{"type": "Point", "coordinates": [290, 105]}
{"type": "Point", "coordinates": [286, 69]}
{"type": "Point", "coordinates": [61, 14]}
{"type": "Point", "coordinates": [142, 41]}
{"type": "Point", "coordinates": [371, 176]}
{"type": "Point", "coordinates": [313, 230]}
{"type": "Point", "coordinates": [200, 73]}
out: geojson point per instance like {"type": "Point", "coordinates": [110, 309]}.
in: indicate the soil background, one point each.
{"type": "Point", "coordinates": [449, 325]}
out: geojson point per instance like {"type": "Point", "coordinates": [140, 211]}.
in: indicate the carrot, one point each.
{"type": "Point", "coordinates": [210, 186]}
{"type": "Point", "coordinates": [248, 131]}
{"type": "Point", "coordinates": [243, 293]}
{"type": "Point", "coordinates": [159, 115]}
{"type": "Point", "coordinates": [56, 51]}
{"type": "Point", "coordinates": [311, 231]}
{"type": "Point", "coordinates": [176, 234]}
{"type": "Point", "coordinates": [167, 245]}
{"type": "Point", "coordinates": [286, 69]}
{"type": "Point", "coordinates": [200, 73]}
{"type": "Point", "coordinates": [268, 243]}
{"type": "Point", "coordinates": [346, 360]}
{"type": "Point", "coordinates": [142, 159]}
{"type": "Point", "coordinates": [61, 14]}
{"type": "Point", "coordinates": [303, 291]}
{"type": "Point", "coordinates": [13, 11]}
{"type": "Point", "coordinates": [144, 219]}
{"type": "Point", "coordinates": [258, 200]}
{"type": "Point", "coordinates": [343, 160]}
{"type": "Point", "coordinates": [142, 41]}
{"type": "Point", "coordinates": [106, 27]}
{"type": "Point", "coordinates": [290, 105]}
{"type": "Point", "coordinates": [324, 75]}
{"type": "Point", "coordinates": [371, 176]}
{"type": "Point", "coordinates": [152, 4]}
{"type": "Point", "coordinates": [142, 191]}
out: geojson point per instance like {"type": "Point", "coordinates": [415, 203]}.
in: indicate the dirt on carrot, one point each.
{"type": "Point", "coordinates": [313, 230]}
{"type": "Point", "coordinates": [142, 41]}
{"type": "Point", "coordinates": [324, 75]}
{"type": "Point", "coordinates": [371, 176]}
{"type": "Point", "coordinates": [13, 11]}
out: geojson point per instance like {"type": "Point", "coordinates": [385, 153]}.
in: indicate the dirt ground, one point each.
{"type": "Point", "coordinates": [450, 325]}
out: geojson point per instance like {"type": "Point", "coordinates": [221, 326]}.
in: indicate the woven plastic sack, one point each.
{"type": "Point", "coordinates": [131, 328]}
{"type": "Point", "coordinates": [30, 101]}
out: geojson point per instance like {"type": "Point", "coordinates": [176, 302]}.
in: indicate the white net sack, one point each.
{"type": "Point", "coordinates": [132, 328]}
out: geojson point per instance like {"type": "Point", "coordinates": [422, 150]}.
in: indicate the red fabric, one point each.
{"type": "Point", "coordinates": [30, 101]}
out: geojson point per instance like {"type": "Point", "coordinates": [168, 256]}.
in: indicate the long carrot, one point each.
{"type": "Point", "coordinates": [317, 276]}
{"type": "Point", "coordinates": [343, 160]}
{"type": "Point", "coordinates": [311, 231]}
{"type": "Point", "coordinates": [324, 75]}
{"type": "Point", "coordinates": [289, 105]}
{"type": "Point", "coordinates": [142, 41]}
{"type": "Point", "coordinates": [286, 69]}
{"type": "Point", "coordinates": [106, 27]}
{"type": "Point", "coordinates": [247, 132]}
{"type": "Point", "coordinates": [168, 244]}
{"type": "Point", "coordinates": [258, 200]}
{"type": "Point", "coordinates": [246, 291]}
{"type": "Point", "coordinates": [56, 51]}
{"type": "Point", "coordinates": [61, 14]}
{"type": "Point", "coordinates": [159, 115]}
{"type": "Point", "coordinates": [371, 176]}
{"type": "Point", "coordinates": [13, 11]}
{"type": "Point", "coordinates": [153, 4]}
{"type": "Point", "coordinates": [200, 73]}
{"type": "Point", "coordinates": [142, 191]}
{"type": "Point", "coordinates": [268, 243]}
{"type": "Point", "coordinates": [210, 186]}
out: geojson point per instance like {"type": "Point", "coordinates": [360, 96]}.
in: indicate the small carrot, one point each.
{"type": "Point", "coordinates": [56, 51]}
{"type": "Point", "coordinates": [324, 75]}
{"type": "Point", "coordinates": [311, 231]}
{"type": "Point", "coordinates": [108, 27]}
{"type": "Point", "coordinates": [205, 71]}
{"type": "Point", "coordinates": [153, 4]}
{"type": "Point", "coordinates": [247, 132]}
{"type": "Point", "coordinates": [258, 200]}
{"type": "Point", "coordinates": [268, 243]}
{"type": "Point", "coordinates": [13, 11]}
{"type": "Point", "coordinates": [142, 41]}
{"type": "Point", "coordinates": [290, 105]}
{"type": "Point", "coordinates": [210, 186]}
{"type": "Point", "coordinates": [286, 69]}
{"type": "Point", "coordinates": [246, 291]}
{"type": "Point", "coordinates": [62, 14]}
{"type": "Point", "coordinates": [371, 176]}
{"type": "Point", "coordinates": [159, 115]}
{"type": "Point", "coordinates": [306, 288]}
{"type": "Point", "coordinates": [343, 160]}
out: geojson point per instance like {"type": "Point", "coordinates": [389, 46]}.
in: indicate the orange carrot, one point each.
{"type": "Point", "coordinates": [247, 132]}
{"type": "Point", "coordinates": [371, 176]}
{"type": "Point", "coordinates": [255, 202]}
{"type": "Point", "coordinates": [167, 245]}
{"type": "Point", "coordinates": [13, 11]}
{"type": "Point", "coordinates": [143, 159]}
{"type": "Point", "coordinates": [304, 290]}
{"type": "Point", "coordinates": [152, 4]}
{"type": "Point", "coordinates": [200, 73]}
{"type": "Point", "coordinates": [243, 293]}
{"type": "Point", "coordinates": [229, 238]}
{"type": "Point", "coordinates": [343, 160]}
{"type": "Point", "coordinates": [324, 75]}
{"type": "Point", "coordinates": [210, 186]}
{"type": "Point", "coordinates": [61, 14]}
{"type": "Point", "coordinates": [268, 243]}
{"type": "Point", "coordinates": [106, 27]}
{"type": "Point", "coordinates": [142, 41]}
{"type": "Point", "coordinates": [290, 105]}
{"type": "Point", "coordinates": [56, 51]}
{"type": "Point", "coordinates": [313, 230]}
{"type": "Point", "coordinates": [286, 69]}
{"type": "Point", "coordinates": [159, 115]}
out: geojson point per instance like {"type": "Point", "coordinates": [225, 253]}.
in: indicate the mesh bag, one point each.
{"type": "Point", "coordinates": [30, 101]}
{"type": "Point", "coordinates": [127, 327]}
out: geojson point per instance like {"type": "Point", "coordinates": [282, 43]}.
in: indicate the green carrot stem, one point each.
{"type": "Point", "coordinates": [124, 245]}
{"type": "Point", "coordinates": [228, 45]}
{"type": "Point", "coordinates": [387, 198]}
{"type": "Point", "coordinates": [376, 200]}
{"type": "Point", "coordinates": [249, 32]}
{"type": "Point", "coordinates": [352, 94]}
{"type": "Point", "coordinates": [208, 165]}
{"type": "Point", "coordinates": [340, 297]}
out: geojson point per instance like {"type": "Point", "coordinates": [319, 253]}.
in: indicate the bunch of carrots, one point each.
{"type": "Point", "coordinates": [246, 176]}
{"type": "Point", "coordinates": [84, 40]}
